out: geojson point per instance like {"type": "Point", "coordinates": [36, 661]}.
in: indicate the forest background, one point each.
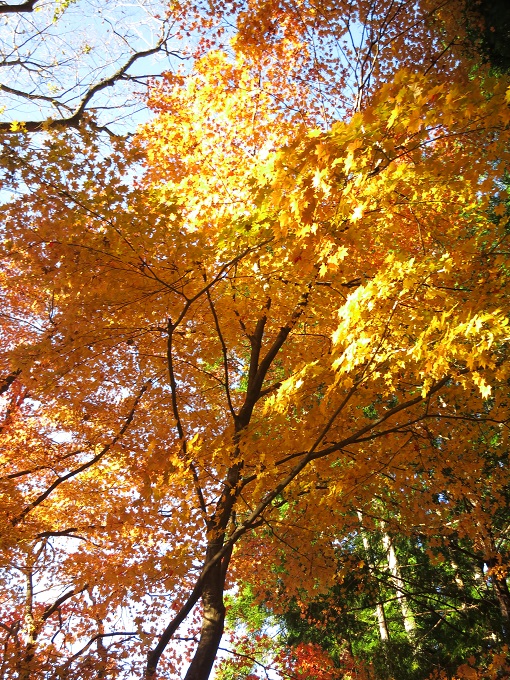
{"type": "Point", "coordinates": [255, 368]}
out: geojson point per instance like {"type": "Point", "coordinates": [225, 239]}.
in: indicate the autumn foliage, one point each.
{"type": "Point", "coordinates": [281, 307]}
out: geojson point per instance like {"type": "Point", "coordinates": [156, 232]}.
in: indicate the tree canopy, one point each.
{"type": "Point", "coordinates": [260, 347]}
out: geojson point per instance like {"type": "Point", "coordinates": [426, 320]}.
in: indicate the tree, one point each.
{"type": "Point", "coordinates": [234, 332]}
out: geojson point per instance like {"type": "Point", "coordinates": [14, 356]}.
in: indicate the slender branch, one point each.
{"type": "Point", "coordinates": [99, 636]}
{"type": "Point", "coordinates": [42, 497]}
{"type": "Point", "coordinates": [258, 373]}
{"type": "Point", "coordinates": [175, 408]}
{"type": "Point", "coordinates": [256, 345]}
{"type": "Point", "coordinates": [173, 382]}
{"type": "Point", "coordinates": [254, 660]}
{"type": "Point", "coordinates": [154, 655]}
{"type": "Point", "coordinates": [30, 471]}
{"type": "Point", "coordinates": [68, 533]}
{"type": "Point", "coordinates": [223, 351]}
{"type": "Point", "coordinates": [51, 609]}
{"type": "Point", "coordinates": [33, 97]}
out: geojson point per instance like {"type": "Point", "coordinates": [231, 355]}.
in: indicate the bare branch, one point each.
{"type": "Point", "coordinates": [74, 120]}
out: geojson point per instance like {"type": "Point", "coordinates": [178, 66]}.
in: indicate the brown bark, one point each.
{"type": "Point", "coordinates": [28, 6]}
{"type": "Point", "coordinates": [213, 621]}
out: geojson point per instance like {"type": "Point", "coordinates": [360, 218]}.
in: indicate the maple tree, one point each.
{"type": "Point", "coordinates": [224, 340]}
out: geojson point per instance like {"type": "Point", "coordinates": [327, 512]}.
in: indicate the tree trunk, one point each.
{"type": "Point", "coordinates": [384, 633]}
{"type": "Point", "coordinates": [213, 618]}
{"type": "Point", "coordinates": [25, 670]}
{"type": "Point", "coordinates": [398, 584]}
{"type": "Point", "coordinates": [500, 585]}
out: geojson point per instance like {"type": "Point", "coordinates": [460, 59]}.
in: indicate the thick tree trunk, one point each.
{"type": "Point", "coordinates": [210, 635]}
{"type": "Point", "coordinates": [503, 595]}
{"type": "Point", "coordinates": [213, 618]}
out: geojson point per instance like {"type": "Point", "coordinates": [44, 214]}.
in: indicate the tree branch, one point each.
{"type": "Point", "coordinates": [27, 6]}
{"type": "Point", "coordinates": [8, 380]}
{"type": "Point", "coordinates": [223, 351]}
{"type": "Point", "coordinates": [42, 497]}
{"type": "Point", "coordinates": [73, 121]}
